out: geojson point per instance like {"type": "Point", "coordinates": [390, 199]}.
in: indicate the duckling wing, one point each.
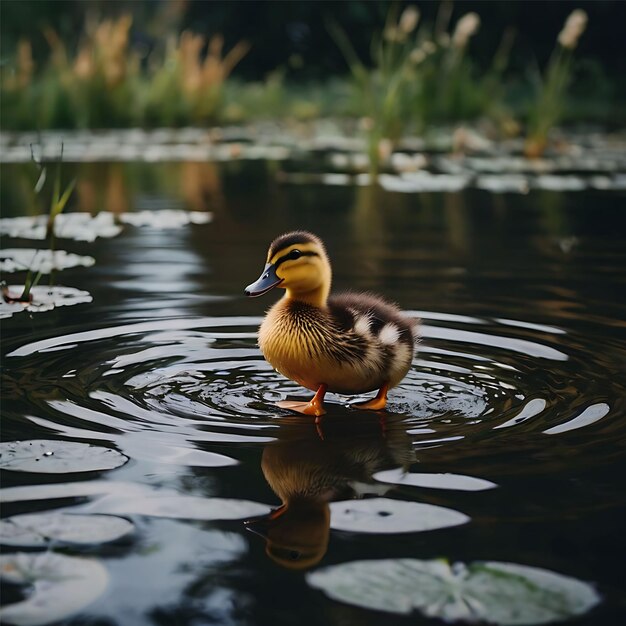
{"type": "Point", "coordinates": [375, 337]}
{"type": "Point", "coordinates": [372, 317]}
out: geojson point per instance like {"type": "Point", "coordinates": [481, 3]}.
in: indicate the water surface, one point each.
{"type": "Point", "coordinates": [519, 383]}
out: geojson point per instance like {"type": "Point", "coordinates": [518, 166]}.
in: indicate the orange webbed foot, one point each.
{"type": "Point", "coordinates": [375, 404]}
{"type": "Point", "coordinates": [306, 408]}
{"type": "Point", "coordinates": [315, 406]}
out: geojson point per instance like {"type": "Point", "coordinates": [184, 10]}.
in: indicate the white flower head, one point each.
{"type": "Point", "coordinates": [409, 19]}
{"type": "Point", "coordinates": [572, 30]}
{"type": "Point", "coordinates": [466, 27]}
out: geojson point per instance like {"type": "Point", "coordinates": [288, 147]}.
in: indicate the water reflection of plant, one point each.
{"type": "Point", "coordinates": [551, 89]}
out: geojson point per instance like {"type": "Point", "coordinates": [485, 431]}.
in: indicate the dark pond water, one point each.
{"type": "Point", "coordinates": [519, 383]}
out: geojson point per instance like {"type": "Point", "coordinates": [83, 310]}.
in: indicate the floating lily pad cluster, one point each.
{"type": "Point", "coordinates": [59, 584]}
{"type": "Point", "coordinates": [443, 160]}
{"type": "Point", "coordinates": [77, 227]}
{"type": "Point", "coordinates": [507, 594]}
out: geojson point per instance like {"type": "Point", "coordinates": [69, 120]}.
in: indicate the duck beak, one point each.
{"type": "Point", "coordinates": [261, 525]}
{"type": "Point", "coordinates": [267, 281]}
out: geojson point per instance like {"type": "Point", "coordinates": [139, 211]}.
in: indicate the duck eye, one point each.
{"type": "Point", "coordinates": [294, 254]}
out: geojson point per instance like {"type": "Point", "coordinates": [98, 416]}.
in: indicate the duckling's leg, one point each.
{"type": "Point", "coordinates": [375, 404]}
{"type": "Point", "coordinates": [315, 406]}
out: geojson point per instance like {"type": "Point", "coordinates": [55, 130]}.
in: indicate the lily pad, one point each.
{"type": "Point", "coordinates": [457, 482]}
{"type": "Point", "coordinates": [166, 218]}
{"type": "Point", "coordinates": [57, 457]}
{"type": "Point", "coordinates": [40, 529]}
{"type": "Point", "coordinates": [504, 183]}
{"type": "Point", "coordinates": [385, 515]}
{"type": "Point", "coordinates": [62, 585]}
{"type": "Point", "coordinates": [499, 593]}
{"type": "Point", "coordinates": [417, 182]}
{"type": "Point", "coordinates": [178, 507]}
{"type": "Point", "coordinates": [44, 261]}
{"type": "Point", "coordinates": [554, 182]}
{"type": "Point", "coordinates": [76, 226]}
{"type": "Point", "coordinates": [80, 489]}
{"type": "Point", "coordinates": [43, 299]}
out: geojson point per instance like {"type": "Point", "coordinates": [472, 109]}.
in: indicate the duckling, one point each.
{"type": "Point", "coordinates": [349, 343]}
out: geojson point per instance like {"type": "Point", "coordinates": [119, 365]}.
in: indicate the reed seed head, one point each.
{"type": "Point", "coordinates": [409, 19]}
{"type": "Point", "coordinates": [466, 27]}
{"type": "Point", "coordinates": [572, 30]}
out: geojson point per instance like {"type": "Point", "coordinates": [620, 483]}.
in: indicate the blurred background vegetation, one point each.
{"type": "Point", "coordinates": [110, 64]}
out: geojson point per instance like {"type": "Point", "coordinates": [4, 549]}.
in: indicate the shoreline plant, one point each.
{"type": "Point", "coordinates": [105, 83]}
{"type": "Point", "coordinates": [420, 74]}
{"type": "Point", "coordinates": [387, 91]}
{"type": "Point", "coordinates": [416, 75]}
{"type": "Point", "coordinates": [58, 202]}
{"type": "Point", "coordinates": [551, 90]}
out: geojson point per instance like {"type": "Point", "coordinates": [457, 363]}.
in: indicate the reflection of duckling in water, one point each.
{"type": "Point", "coordinates": [307, 472]}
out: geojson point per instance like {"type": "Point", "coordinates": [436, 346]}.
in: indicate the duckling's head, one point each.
{"type": "Point", "coordinates": [296, 536]}
{"type": "Point", "coordinates": [297, 262]}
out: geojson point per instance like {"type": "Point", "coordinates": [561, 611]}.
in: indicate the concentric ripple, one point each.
{"type": "Point", "coordinates": [177, 390]}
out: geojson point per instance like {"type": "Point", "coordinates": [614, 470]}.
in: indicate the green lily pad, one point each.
{"type": "Point", "coordinates": [384, 515]}
{"type": "Point", "coordinates": [499, 593]}
{"type": "Point", "coordinates": [57, 457]}
{"type": "Point", "coordinates": [61, 586]}
{"type": "Point", "coordinates": [40, 529]}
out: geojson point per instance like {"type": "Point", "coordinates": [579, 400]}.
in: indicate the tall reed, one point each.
{"type": "Point", "coordinates": [385, 90]}
{"type": "Point", "coordinates": [551, 89]}
{"type": "Point", "coordinates": [187, 85]}
{"type": "Point", "coordinates": [419, 74]}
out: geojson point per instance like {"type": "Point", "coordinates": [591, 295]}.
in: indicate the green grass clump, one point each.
{"type": "Point", "coordinates": [103, 85]}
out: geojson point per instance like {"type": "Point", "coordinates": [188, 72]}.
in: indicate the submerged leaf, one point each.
{"type": "Point", "coordinates": [39, 529]}
{"type": "Point", "coordinates": [384, 515]}
{"type": "Point", "coordinates": [499, 593]}
{"type": "Point", "coordinates": [62, 585]}
{"type": "Point", "coordinates": [57, 457]}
